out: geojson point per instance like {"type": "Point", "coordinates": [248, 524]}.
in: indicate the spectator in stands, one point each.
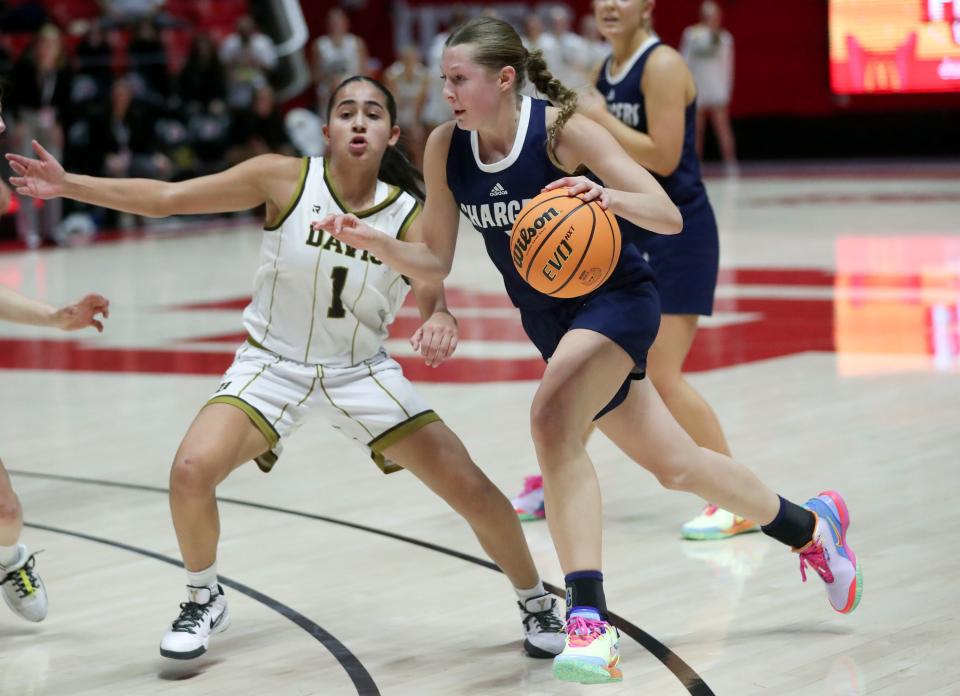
{"type": "Point", "coordinates": [249, 57]}
{"type": "Point", "coordinates": [122, 140]}
{"type": "Point", "coordinates": [596, 47]}
{"type": "Point", "coordinates": [572, 70]}
{"type": "Point", "coordinates": [37, 104]}
{"type": "Point", "coordinates": [120, 12]}
{"type": "Point", "coordinates": [437, 110]}
{"type": "Point", "coordinates": [203, 91]}
{"type": "Point", "coordinates": [336, 55]}
{"type": "Point", "coordinates": [708, 49]}
{"type": "Point", "coordinates": [407, 80]}
{"type": "Point", "coordinates": [259, 129]}
{"type": "Point", "coordinates": [149, 62]}
{"type": "Point", "coordinates": [203, 79]}
{"type": "Point", "coordinates": [94, 58]}
{"type": "Point", "coordinates": [536, 38]}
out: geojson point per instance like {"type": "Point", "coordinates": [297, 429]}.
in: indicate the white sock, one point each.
{"type": "Point", "coordinates": [204, 578]}
{"type": "Point", "coordinates": [535, 591]}
{"type": "Point", "coordinates": [9, 555]}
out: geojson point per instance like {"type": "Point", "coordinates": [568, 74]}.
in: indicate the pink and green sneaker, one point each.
{"type": "Point", "coordinates": [591, 654]}
{"type": "Point", "coordinates": [529, 503]}
{"type": "Point", "coordinates": [716, 523]}
{"type": "Point", "coordinates": [829, 555]}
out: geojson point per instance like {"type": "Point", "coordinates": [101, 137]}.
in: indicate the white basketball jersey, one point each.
{"type": "Point", "coordinates": [316, 299]}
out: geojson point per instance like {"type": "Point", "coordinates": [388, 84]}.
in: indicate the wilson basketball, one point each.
{"type": "Point", "coordinates": [563, 246]}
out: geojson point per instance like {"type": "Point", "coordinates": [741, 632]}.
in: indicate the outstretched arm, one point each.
{"type": "Point", "coordinates": [241, 187]}
{"type": "Point", "coordinates": [23, 310]}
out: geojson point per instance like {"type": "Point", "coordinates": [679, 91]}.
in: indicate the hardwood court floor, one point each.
{"type": "Point", "coordinates": [832, 362]}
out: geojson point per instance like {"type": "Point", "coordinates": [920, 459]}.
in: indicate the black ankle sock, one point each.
{"type": "Point", "coordinates": [585, 589]}
{"type": "Point", "coordinates": [792, 526]}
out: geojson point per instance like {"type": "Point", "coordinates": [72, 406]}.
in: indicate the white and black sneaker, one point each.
{"type": "Point", "coordinates": [23, 590]}
{"type": "Point", "coordinates": [543, 628]}
{"type": "Point", "coordinates": [203, 614]}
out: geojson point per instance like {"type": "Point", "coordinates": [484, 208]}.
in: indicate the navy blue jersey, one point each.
{"type": "Point", "coordinates": [491, 196]}
{"type": "Point", "coordinates": [625, 101]}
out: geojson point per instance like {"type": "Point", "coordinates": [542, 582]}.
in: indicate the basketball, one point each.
{"type": "Point", "coordinates": [563, 246]}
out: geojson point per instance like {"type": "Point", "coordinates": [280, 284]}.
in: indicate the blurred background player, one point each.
{"type": "Point", "coordinates": [708, 50]}
{"type": "Point", "coordinates": [407, 79]}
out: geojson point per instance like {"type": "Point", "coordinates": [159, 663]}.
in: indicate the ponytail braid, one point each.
{"type": "Point", "coordinates": [562, 97]}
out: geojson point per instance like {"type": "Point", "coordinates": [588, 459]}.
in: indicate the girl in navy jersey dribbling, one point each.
{"type": "Point", "coordinates": [646, 97]}
{"type": "Point", "coordinates": [501, 149]}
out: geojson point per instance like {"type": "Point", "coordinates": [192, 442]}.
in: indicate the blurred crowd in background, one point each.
{"type": "Point", "coordinates": [173, 89]}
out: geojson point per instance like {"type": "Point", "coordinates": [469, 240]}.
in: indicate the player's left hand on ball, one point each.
{"type": "Point", "coordinates": [82, 314]}
{"type": "Point", "coordinates": [348, 228]}
{"type": "Point", "coordinates": [583, 188]}
{"type": "Point", "coordinates": [436, 340]}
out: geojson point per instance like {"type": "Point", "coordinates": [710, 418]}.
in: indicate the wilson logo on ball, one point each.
{"type": "Point", "coordinates": [564, 246]}
{"type": "Point", "coordinates": [528, 234]}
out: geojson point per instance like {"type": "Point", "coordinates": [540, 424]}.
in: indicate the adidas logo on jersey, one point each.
{"type": "Point", "coordinates": [611, 95]}
{"type": "Point", "coordinates": [498, 190]}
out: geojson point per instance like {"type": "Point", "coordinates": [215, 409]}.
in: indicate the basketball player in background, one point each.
{"type": "Point", "coordinates": [336, 55]}
{"type": "Point", "coordinates": [316, 326]}
{"type": "Point", "coordinates": [646, 97]}
{"type": "Point", "coordinates": [23, 590]}
{"type": "Point", "coordinates": [502, 141]}
{"type": "Point", "coordinates": [707, 49]}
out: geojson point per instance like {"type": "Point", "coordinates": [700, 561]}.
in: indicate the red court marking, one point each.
{"type": "Point", "coordinates": [785, 327]}
{"type": "Point", "coordinates": [458, 298]}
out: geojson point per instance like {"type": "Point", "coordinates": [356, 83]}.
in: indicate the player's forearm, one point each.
{"type": "Point", "coordinates": [412, 259]}
{"type": "Point", "coordinates": [430, 297]}
{"type": "Point", "coordinates": [22, 310]}
{"type": "Point", "coordinates": [138, 196]}
{"type": "Point", "coordinates": [651, 211]}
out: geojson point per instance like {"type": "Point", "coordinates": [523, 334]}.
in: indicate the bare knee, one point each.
{"type": "Point", "coordinates": [193, 475]}
{"type": "Point", "coordinates": [677, 471]}
{"type": "Point", "coordinates": [552, 427]}
{"type": "Point", "coordinates": [10, 511]}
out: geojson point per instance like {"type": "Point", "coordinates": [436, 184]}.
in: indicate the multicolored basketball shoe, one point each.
{"type": "Point", "coordinates": [829, 555]}
{"type": "Point", "coordinates": [529, 503]}
{"type": "Point", "coordinates": [716, 523]}
{"type": "Point", "coordinates": [591, 654]}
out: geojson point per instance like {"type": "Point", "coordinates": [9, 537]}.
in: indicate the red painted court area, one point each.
{"type": "Point", "coordinates": [777, 327]}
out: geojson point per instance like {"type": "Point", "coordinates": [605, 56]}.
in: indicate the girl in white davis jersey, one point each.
{"type": "Point", "coordinates": [316, 326]}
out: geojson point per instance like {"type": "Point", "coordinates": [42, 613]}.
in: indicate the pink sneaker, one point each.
{"type": "Point", "coordinates": [829, 555]}
{"type": "Point", "coordinates": [529, 503]}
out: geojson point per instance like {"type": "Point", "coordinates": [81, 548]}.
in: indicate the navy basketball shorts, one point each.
{"type": "Point", "coordinates": [626, 310]}
{"type": "Point", "coordinates": [686, 264]}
